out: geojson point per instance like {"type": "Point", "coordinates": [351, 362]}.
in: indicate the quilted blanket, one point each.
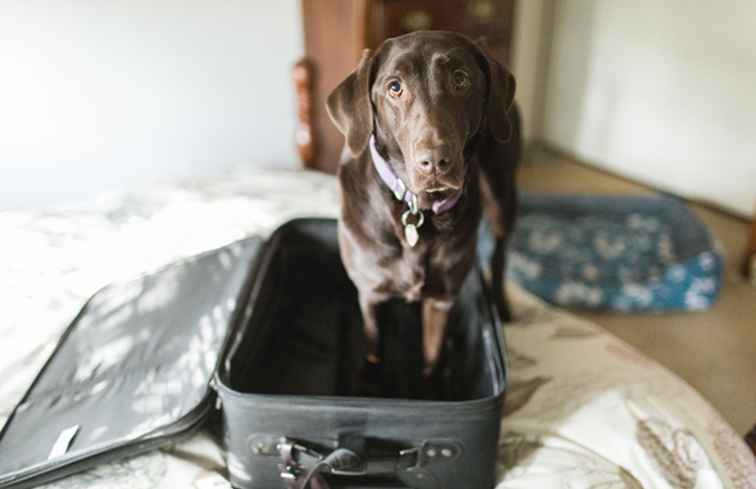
{"type": "Point", "coordinates": [584, 409]}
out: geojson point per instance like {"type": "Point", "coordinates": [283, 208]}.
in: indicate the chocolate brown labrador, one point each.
{"type": "Point", "coordinates": [432, 144]}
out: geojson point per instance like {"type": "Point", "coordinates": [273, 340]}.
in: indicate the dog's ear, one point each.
{"type": "Point", "coordinates": [501, 90]}
{"type": "Point", "coordinates": [350, 108]}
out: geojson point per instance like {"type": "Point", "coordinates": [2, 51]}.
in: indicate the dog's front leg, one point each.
{"type": "Point", "coordinates": [368, 307]}
{"type": "Point", "coordinates": [435, 317]}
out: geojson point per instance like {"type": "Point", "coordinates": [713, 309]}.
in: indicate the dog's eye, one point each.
{"type": "Point", "coordinates": [460, 80]}
{"type": "Point", "coordinates": [394, 88]}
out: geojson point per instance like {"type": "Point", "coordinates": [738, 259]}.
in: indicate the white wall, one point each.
{"type": "Point", "coordinates": [531, 43]}
{"type": "Point", "coordinates": [99, 95]}
{"type": "Point", "coordinates": [660, 91]}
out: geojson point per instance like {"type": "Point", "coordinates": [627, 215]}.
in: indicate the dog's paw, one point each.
{"type": "Point", "coordinates": [369, 377]}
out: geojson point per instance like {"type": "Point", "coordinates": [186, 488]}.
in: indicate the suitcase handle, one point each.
{"type": "Point", "coordinates": [301, 475]}
{"type": "Point", "coordinates": [303, 466]}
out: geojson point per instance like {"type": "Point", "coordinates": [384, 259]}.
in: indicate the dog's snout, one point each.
{"type": "Point", "coordinates": [436, 159]}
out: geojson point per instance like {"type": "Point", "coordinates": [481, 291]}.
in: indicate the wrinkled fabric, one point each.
{"type": "Point", "coordinates": [584, 409]}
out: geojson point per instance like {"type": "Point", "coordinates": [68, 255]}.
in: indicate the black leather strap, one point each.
{"type": "Point", "coordinates": [312, 479]}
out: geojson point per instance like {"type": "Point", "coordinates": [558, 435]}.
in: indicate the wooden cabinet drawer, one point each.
{"type": "Point", "coordinates": [489, 18]}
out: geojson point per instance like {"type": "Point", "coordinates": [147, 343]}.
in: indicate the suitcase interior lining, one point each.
{"type": "Point", "coordinates": [304, 335]}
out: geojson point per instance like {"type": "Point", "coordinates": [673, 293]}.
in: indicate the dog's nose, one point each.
{"type": "Point", "coordinates": [434, 159]}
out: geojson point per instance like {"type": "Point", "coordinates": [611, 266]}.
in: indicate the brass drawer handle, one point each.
{"type": "Point", "coordinates": [482, 10]}
{"type": "Point", "coordinates": [417, 20]}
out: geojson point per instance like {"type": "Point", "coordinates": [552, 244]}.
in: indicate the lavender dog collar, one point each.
{"type": "Point", "coordinates": [400, 190]}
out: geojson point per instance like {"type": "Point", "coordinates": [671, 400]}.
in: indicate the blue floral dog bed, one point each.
{"type": "Point", "coordinates": [612, 253]}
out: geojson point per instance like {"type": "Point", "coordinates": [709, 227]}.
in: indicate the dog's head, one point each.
{"type": "Point", "coordinates": [425, 96]}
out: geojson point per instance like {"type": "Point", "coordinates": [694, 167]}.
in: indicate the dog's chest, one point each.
{"type": "Point", "coordinates": [411, 273]}
{"type": "Point", "coordinates": [416, 270]}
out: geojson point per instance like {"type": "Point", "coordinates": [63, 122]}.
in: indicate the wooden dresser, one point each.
{"type": "Point", "coordinates": [336, 32]}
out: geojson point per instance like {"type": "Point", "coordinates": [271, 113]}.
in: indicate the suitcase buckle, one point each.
{"type": "Point", "coordinates": [429, 452]}
{"type": "Point", "coordinates": [414, 466]}
{"type": "Point", "coordinates": [411, 458]}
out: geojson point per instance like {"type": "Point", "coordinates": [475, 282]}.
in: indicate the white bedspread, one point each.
{"type": "Point", "coordinates": [584, 410]}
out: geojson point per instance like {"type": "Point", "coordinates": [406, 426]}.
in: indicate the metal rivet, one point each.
{"type": "Point", "coordinates": [446, 452]}
{"type": "Point", "coordinates": [431, 452]}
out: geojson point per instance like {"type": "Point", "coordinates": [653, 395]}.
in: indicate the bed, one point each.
{"type": "Point", "coordinates": [584, 409]}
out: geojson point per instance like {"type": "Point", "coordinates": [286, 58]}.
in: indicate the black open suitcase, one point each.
{"type": "Point", "coordinates": [261, 342]}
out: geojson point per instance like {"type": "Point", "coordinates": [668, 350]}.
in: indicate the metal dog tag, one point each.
{"type": "Point", "coordinates": [410, 230]}
{"type": "Point", "coordinates": [411, 234]}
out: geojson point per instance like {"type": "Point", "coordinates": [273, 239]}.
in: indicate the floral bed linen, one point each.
{"type": "Point", "coordinates": [584, 409]}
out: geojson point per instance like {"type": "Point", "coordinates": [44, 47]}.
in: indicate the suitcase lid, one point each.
{"type": "Point", "coordinates": [133, 370]}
